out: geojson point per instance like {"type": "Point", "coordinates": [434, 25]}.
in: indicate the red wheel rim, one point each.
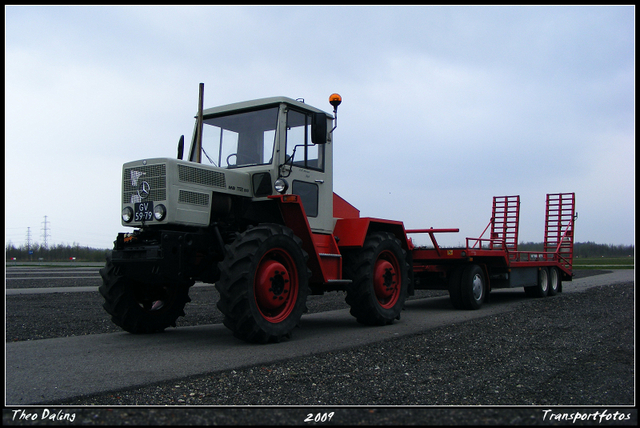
{"type": "Point", "coordinates": [387, 279]}
{"type": "Point", "coordinates": [276, 285]}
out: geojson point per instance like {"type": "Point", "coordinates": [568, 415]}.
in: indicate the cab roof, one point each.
{"type": "Point", "coordinates": [260, 103]}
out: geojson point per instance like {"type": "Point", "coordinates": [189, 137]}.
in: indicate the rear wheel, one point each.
{"type": "Point", "coordinates": [264, 284]}
{"type": "Point", "coordinates": [542, 289]}
{"type": "Point", "coordinates": [379, 274]}
{"type": "Point", "coordinates": [137, 307]}
{"type": "Point", "coordinates": [554, 281]}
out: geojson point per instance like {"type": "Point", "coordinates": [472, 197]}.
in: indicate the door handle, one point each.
{"type": "Point", "coordinates": [320, 181]}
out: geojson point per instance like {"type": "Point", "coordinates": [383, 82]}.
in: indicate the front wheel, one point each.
{"type": "Point", "coordinates": [379, 274]}
{"type": "Point", "coordinates": [264, 284]}
{"type": "Point", "coordinates": [139, 308]}
{"type": "Point", "coordinates": [472, 287]}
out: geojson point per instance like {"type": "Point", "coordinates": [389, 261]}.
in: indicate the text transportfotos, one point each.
{"type": "Point", "coordinates": [599, 416]}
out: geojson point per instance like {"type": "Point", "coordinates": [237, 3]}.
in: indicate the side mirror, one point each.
{"type": "Point", "coordinates": [319, 128]}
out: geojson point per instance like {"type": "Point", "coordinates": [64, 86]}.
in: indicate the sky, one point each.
{"type": "Point", "coordinates": [443, 107]}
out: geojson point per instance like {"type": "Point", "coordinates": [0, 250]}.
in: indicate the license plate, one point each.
{"type": "Point", "coordinates": [143, 211]}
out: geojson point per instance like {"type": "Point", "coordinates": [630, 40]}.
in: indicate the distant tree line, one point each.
{"type": "Point", "coordinates": [67, 252]}
{"type": "Point", "coordinates": [58, 252]}
{"type": "Point", "coordinates": [587, 249]}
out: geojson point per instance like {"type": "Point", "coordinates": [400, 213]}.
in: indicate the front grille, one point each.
{"type": "Point", "coordinates": [201, 176]}
{"type": "Point", "coordinates": [154, 175]}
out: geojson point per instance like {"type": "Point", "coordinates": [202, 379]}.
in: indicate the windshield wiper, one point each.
{"type": "Point", "coordinates": [205, 153]}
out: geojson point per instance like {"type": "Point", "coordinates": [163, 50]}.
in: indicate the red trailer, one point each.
{"type": "Point", "coordinates": [491, 262]}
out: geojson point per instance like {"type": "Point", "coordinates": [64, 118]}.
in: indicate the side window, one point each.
{"type": "Point", "coordinates": [308, 193]}
{"type": "Point", "coordinates": [299, 146]}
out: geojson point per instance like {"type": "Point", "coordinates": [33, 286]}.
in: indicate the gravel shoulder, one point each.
{"type": "Point", "coordinates": [570, 353]}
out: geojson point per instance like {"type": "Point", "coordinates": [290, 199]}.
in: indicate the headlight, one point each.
{"type": "Point", "coordinates": [127, 214]}
{"type": "Point", "coordinates": [159, 212]}
{"type": "Point", "coordinates": [281, 185]}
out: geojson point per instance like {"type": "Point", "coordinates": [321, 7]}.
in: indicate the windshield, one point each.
{"type": "Point", "coordinates": [240, 139]}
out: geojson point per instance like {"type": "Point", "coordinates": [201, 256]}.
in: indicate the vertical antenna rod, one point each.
{"type": "Point", "coordinates": [198, 153]}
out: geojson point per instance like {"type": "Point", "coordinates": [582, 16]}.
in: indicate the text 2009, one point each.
{"type": "Point", "coordinates": [319, 417]}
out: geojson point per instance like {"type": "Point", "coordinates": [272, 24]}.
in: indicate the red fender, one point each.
{"type": "Point", "coordinates": [351, 232]}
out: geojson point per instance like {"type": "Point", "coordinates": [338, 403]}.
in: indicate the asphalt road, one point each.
{"type": "Point", "coordinates": [49, 370]}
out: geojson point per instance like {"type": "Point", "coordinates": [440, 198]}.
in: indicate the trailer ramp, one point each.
{"type": "Point", "coordinates": [559, 222]}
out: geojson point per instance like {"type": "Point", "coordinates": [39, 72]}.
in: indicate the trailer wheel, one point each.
{"type": "Point", "coordinates": [379, 274]}
{"type": "Point", "coordinates": [140, 308]}
{"type": "Point", "coordinates": [264, 284]}
{"type": "Point", "coordinates": [554, 281]}
{"type": "Point", "coordinates": [542, 289]}
{"type": "Point", "coordinates": [472, 287]}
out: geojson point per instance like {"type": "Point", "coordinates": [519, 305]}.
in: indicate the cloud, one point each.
{"type": "Point", "coordinates": [444, 107]}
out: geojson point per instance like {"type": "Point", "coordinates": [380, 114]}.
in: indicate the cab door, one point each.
{"type": "Point", "coordinates": [310, 166]}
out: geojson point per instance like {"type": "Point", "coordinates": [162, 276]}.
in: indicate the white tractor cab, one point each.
{"type": "Point", "coordinates": [280, 144]}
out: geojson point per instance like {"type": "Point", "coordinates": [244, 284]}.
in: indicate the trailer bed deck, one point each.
{"type": "Point", "coordinates": [498, 254]}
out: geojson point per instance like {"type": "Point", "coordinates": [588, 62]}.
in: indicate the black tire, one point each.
{"type": "Point", "coordinates": [380, 277]}
{"type": "Point", "coordinates": [131, 303]}
{"type": "Point", "coordinates": [264, 284]}
{"type": "Point", "coordinates": [454, 288]}
{"type": "Point", "coordinates": [473, 287]}
{"type": "Point", "coordinates": [555, 281]}
{"type": "Point", "coordinates": [542, 289]}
